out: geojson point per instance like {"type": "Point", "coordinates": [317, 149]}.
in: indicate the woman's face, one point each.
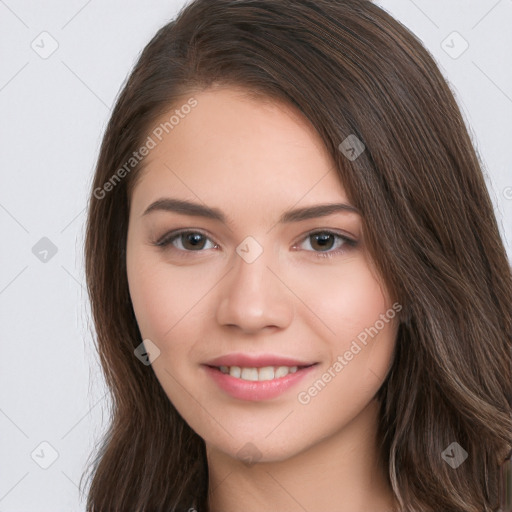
{"type": "Point", "coordinates": [274, 330]}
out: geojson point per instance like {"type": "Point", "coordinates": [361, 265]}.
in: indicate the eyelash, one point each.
{"type": "Point", "coordinates": [168, 238]}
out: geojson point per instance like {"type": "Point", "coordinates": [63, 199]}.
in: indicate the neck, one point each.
{"type": "Point", "coordinates": [340, 472]}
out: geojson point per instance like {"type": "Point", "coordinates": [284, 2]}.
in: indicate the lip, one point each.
{"type": "Point", "coordinates": [256, 390]}
{"type": "Point", "coordinates": [257, 360]}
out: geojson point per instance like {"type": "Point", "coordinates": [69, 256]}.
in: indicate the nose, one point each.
{"type": "Point", "coordinates": [253, 296]}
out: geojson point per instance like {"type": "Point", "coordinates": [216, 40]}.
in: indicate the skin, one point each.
{"type": "Point", "coordinates": [254, 160]}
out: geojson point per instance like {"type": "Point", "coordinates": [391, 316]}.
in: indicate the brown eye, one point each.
{"type": "Point", "coordinates": [186, 241]}
{"type": "Point", "coordinates": [191, 241]}
{"type": "Point", "coordinates": [328, 243]}
{"type": "Point", "coordinates": [322, 241]}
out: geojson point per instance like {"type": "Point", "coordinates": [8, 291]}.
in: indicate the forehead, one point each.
{"type": "Point", "coordinates": [230, 145]}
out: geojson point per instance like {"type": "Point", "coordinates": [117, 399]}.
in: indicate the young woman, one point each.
{"type": "Point", "coordinates": [301, 297]}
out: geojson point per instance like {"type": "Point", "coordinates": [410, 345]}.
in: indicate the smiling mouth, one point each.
{"type": "Point", "coordinates": [264, 373]}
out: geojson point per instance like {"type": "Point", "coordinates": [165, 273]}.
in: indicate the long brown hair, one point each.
{"type": "Point", "coordinates": [351, 69]}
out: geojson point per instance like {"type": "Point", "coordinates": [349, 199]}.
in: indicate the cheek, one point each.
{"type": "Point", "coordinates": [164, 298]}
{"type": "Point", "coordinates": [358, 320]}
{"type": "Point", "coordinates": [149, 297]}
{"type": "Point", "coordinates": [345, 299]}
{"type": "Point", "coordinates": [168, 312]}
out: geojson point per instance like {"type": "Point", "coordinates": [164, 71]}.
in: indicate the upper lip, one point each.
{"type": "Point", "coordinates": [256, 360]}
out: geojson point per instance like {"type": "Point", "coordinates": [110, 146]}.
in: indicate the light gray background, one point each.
{"type": "Point", "coordinates": [54, 111]}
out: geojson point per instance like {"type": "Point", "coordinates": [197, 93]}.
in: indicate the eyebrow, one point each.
{"type": "Point", "coordinates": [198, 210]}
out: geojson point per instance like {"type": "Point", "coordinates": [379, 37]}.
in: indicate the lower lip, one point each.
{"type": "Point", "coordinates": [256, 390]}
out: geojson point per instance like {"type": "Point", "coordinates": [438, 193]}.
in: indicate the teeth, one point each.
{"type": "Point", "coordinates": [266, 373]}
{"type": "Point", "coordinates": [258, 374]}
{"type": "Point", "coordinates": [249, 374]}
{"type": "Point", "coordinates": [281, 371]}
